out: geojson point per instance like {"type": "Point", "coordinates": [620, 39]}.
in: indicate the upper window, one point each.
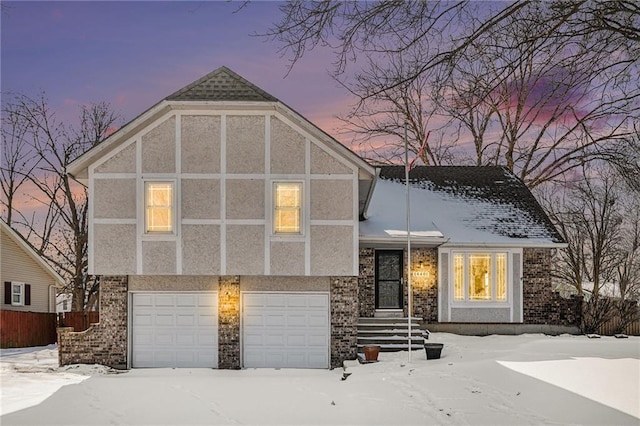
{"type": "Point", "coordinates": [159, 207]}
{"type": "Point", "coordinates": [17, 294]}
{"type": "Point", "coordinates": [480, 277]}
{"type": "Point", "coordinates": [287, 215]}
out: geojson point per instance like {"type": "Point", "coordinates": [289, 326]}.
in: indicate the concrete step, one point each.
{"type": "Point", "coordinates": [391, 334]}
{"type": "Point", "coordinates": [394, 347]}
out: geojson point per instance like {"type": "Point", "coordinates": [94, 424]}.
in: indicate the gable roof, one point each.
{"type": "Point", "coordinates": [221, 84]}
{"type": "Point", "coordinates": [221, 88]}
{"type": "Point", "coordinates": [26, 247]}
{"type": "Point", "coordinates": [467, 205]}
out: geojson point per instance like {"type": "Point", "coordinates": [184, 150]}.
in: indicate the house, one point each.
{"type": "Point", "coordinates": [28, 305]}
{"type": "Point", "coordinates": [231, 232]}
{"type": "Point", "coordinates": [29, 283]}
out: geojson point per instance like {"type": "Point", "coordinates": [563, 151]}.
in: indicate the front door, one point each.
{"type": "Point", "coordinates": [389, 279]}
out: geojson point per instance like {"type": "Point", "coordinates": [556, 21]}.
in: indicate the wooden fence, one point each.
{"type": "Point", "coordinates": [23, 329]}
{"type": "Point", "coordinates": [609, 328]}
{"type": "Point", "coordinates": [80, 321]}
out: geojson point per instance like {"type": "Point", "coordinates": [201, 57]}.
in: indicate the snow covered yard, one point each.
{"type": "Point", "coordinates": [528, 379]}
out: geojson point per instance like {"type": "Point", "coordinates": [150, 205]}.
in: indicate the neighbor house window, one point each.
{"type": "Point", "coordinates": [480, 277]}
{"type": "Point", "coordinates": [287, 215]}
{"type": "Point", "coordinates": [159, 207]}
{"type": "Point", "coordinates": [17, 294]}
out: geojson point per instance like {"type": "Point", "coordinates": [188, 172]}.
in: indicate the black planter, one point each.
{"type": "Point", "coordinates": [433, 350]}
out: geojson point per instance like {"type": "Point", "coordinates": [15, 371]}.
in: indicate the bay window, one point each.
{"type": "Point", "coordinates": [480, 277]}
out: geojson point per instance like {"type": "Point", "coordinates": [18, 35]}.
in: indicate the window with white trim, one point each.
{"type": "Point", "coordinates": [480, 276]}
{"type": "Point", "coordinates": [159, 207]}
{"type": "Point", "coordinates": [17, 294]}
{"type": "Point", "coordinates": [287, 211]}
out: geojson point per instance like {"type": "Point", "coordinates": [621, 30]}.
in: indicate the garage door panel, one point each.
{"type": "Point", "coordinates": [186, 300]}
{"type": "Point", "coordinates": [164, 319]}
{"type": "Point", "coordinates": [208, 319]}
{"type": "Point", "coordinates": [297, 301]}
{"type": "Point", "coordinates": [318, 320]}
{"type": "Point", "coordinates": [142, 319]}
{"type": "Point", "coordinates": [275, 301]}
{"type": "Point", "coordinates": [274, 320]}
{"type": "Point", "coordinates": [284, 331]}
{"type": "Point", "coordinates": [164, 300]}
{"type": "Point", "coordinates": [254, 320]}
{"type": "Point", "coordinates": [317, 302]}
{"type": "Point", "coordinates": [185, 320]}
{"type": "Point", "coordinates": [174, 330]}
{"type": "Point", "coordinates": [207, 300]}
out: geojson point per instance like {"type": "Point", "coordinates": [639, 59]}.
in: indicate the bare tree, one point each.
{"type": "Point", "coordinates": [543, 106]}
{"type": "Point", "coordinates": [17, 163]}
{"type": "Point", "coordinates": [538, 87]}
{"type": "Point", "coordinates": [602, 234]}
{"type": "Point", "coordinates": [59, 231]}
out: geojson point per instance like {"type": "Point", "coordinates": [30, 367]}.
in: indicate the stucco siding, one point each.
{"type": "Point", "coordinates": [158, 148]}
{"type": "Point", "coordinates": [275, 283]}
{"type": "Point", "coordinates": [17, 265]}
{"type": "Point", "coordinates": [332, 250]}
{"type": "Point", "coordinates": [200, 249]}
{"type": "Point", "coordinates": [200, 198]}
{"type": "Point", "coordinates": [122, 162]}
{"type": "Point", "coordinates": [200, 144]}
{"type": "Point", "coordinates": [287, 258]}
{"type": "Point", "coordinates": [245, 199]}
{"type": "Point", "coordinates": [332, 199]}
{"type": "Point", "coordinates": [480, 315]}
{"type": "Point", "coordinates": [245, 144]}
{"type": "Point", "coordinates": [172, 283]}
{"type": "Point", "coordinates": [245, 250]}
{"type": "Point", "coordinates": [323, 163]}
{"type": "Point", "coordinates": [158, 257]}
{"type": "Point", "coordinates": [287, 149]}
{"type": "Point", "coordinates": [114, 198]}
{"type": "Point", "coordinates": [114, 249]}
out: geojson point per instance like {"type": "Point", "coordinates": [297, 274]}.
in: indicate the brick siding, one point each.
{"type": "Point", "coordinates": [542, 305]}
{"type": "Point", "coordinates": [366, 283]}
{"type": "Point", "coordinates": [344, 319]}
{"type": "Point", "coordinates": [229, 322]}
{"type": "Point", "coordinates": [106, 342]}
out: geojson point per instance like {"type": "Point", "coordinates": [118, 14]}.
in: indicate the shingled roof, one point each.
{"type": "Point", "coordinates": [465, 203]}
{"type": "Point", "coordinates": [221, 84]}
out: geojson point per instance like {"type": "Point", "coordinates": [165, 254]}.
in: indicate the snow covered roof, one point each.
{"type": "Point", "coordinates": [457, 205]}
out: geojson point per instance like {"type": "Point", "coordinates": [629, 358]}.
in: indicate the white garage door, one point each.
{"type": "Point", "coordinates": [175, 330]}
{"type": "Point", "coordinates": [285, 330]}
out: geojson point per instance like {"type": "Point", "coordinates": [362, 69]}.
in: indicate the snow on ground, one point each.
{"type": "Point", "coordinates": [28, 376]}
{"type": "Point", "coordinates": [511, 380]}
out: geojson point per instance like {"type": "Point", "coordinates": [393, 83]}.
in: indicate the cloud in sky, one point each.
{"type": "Point", "coordinates": [133, 54]}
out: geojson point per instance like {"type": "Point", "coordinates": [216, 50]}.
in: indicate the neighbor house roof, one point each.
{"type": "Point", "coordinates": [457, 205]}
{"type": "Point", "coordinates": [26, 247]}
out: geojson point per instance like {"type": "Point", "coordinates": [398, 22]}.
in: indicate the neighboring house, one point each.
{"type": "Point", "coordinates": [29, 283]}
{"type": "Point", "coordinates": [63, 302]}
{"type": "Point", "coordinates": [231, 232]}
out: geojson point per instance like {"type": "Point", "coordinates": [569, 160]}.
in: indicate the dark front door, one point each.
{"type": "Point", "coordinates": [389, 279]}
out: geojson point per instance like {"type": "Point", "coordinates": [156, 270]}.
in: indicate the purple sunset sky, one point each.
{"type": "Point", "coordinates": [133, 54]}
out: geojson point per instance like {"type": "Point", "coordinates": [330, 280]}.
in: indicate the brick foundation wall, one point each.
{"type": "Point", "coordinates": [106, 342]}
{"type": "Point", "coordinates": [366, 283]}
{"type": "Point", "coordinates": [229, 322]}
{"type": "Point", "coordinates": [344, 319]}
{"type": "Point", "coordinates": [541, 304]}
{"type": "Point", "coordinates": [424, 284]}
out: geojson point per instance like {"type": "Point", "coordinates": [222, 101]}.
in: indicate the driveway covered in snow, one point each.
{"type": "Point", "coordinates": [528, 379]}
